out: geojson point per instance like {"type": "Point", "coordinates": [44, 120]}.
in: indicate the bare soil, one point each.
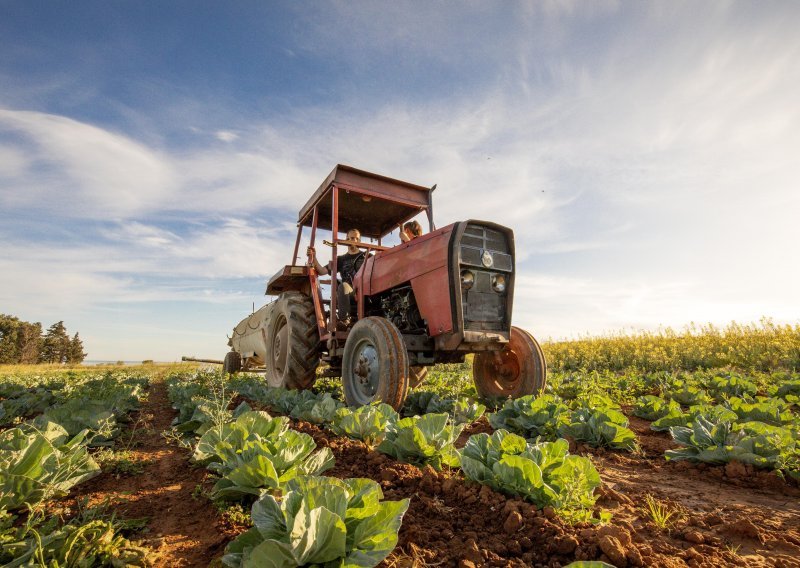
{"type": "Point", "coordinates": [182, 525]}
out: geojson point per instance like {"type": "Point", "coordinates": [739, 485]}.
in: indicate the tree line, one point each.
{"type": "Point", "coordinates": [25, 343]}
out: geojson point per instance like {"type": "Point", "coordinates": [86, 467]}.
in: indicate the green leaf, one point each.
{"type": "Point", "coordinates": [318, 535]}
{"type": "Point", "coordinates": [513, 444]}
{"type": "Point", "coordinates": [523, 477]}
{"type": "Point", "coordinates": [271, 554]}
{"type": "Point", "coordinates": [376, 536]}
{"type": "Point", "coordinates": [268, 519]}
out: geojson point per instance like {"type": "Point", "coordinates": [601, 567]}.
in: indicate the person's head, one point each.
{"type": "Point", "coordinates": [411, 230]}
{"type": "Point", "coordinates": [355, 236]}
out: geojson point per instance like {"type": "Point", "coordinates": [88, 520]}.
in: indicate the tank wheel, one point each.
{"type": "Point", "coordinates": [232, 363]}
{"type": "Point", "coordinates": [292, 342]}
{"type": "Point", "coordinates": [416, 375]}
{"type": "Point", "coordinates": [375, 364]}
{"type": "Point", "coordinates": [517, 370]}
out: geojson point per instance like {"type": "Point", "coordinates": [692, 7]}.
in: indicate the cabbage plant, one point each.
{"type": "Point", "coordinates": [652, 408]}
{"type": "Point", "coordinates": [423, 440]}
{"type": "Point", "coordinates": [531, 416]}
{"type": "Point", "coordinates": [320, 521]}
{"type": "Point", "coordinates": [600, 428]}
{"type": "Point", "coordinates": [544, 474]}
{"type": "Point", "coordinates": [466, 411]}
{"type": "Point", "coordinates": [789, 390]}
{"type": "Point", "coordinates": [462, 410]}
{"type": "Point", "coordinates": [770, 411]}
{"type": "Point", "coordinates": [366, 423]}
{"type": "Point", "coordinates": [719, 442]}
{"type": "Point", "coordinates": [17, 401]}
{"type": "Point", "coordinates": [39, 463]}
{"type": "Point", "coordinates": [318, 410]}
{"type": "Point", "coordinates": [687, 394]}
{"type": "Point", "coordinates": [78, 543]}
{"type": "Point", "coordinates": [79, 414]}
{"type": "Point", "coordinates": [677, 417]}
{"type": "Point", "coordinates": [732, 385]}
{"type": "Point", "coordinates": [256, 453]}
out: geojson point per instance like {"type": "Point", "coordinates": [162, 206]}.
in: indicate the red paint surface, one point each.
{"type": "Point", "coordinates": [432, 291]}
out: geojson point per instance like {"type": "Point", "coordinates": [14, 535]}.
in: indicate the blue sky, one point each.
{"type": "Point", "coordinates": [153, 155]}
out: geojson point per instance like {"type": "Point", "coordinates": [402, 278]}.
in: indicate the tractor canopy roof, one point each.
{"type": "Point", "coordinates": [371, 203]}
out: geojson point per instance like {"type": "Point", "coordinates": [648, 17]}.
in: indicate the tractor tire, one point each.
{"type": "Point", "coordinates": [375, 364]}
{"type": "Point", "coordinates": [416, 375]}
{"type": "Point", "coordinates": [292, 355]}
{"type": "Point", "coordinates": [517, 370]}
{"type": "Point", "coordinates": [232, 363]}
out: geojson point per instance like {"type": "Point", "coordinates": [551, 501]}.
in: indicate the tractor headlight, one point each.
{"type": "Point", "coordinates": [499, 283]}
{"type": "Point", "coordinates": [467, 279]}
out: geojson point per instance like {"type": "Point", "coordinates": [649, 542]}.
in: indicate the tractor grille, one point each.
{"type": "Point", "coordinates": [485, 254]}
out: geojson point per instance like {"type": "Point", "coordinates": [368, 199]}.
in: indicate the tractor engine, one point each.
{"type": "Point", "coordinates": [400, 307]}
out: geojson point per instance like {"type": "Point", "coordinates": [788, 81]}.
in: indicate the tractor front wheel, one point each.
{"type": "Point", "coordinates": [517, 370]}
{"type": "Point", "coordinates": [375, 364]}
{"type": "Point", "coordinates": [292, 342]}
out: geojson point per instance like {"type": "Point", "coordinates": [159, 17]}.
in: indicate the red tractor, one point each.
{"type": "Point", "coordinates": [430, 300]}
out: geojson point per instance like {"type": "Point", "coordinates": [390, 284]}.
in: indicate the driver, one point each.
{"type": "Point", "coordinates": [347, 265]}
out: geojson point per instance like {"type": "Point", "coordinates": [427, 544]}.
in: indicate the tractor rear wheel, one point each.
{"type": "Point", "coordinates": [375, 364]}
{"type": "Point", "coordinates": [416, 375]}
{"type": "Point", "coordinates": [517, 370]}
{"type": "Point", "coordinates": [232, 363]}
{"type": "Point", "coordinates": [292, 342]}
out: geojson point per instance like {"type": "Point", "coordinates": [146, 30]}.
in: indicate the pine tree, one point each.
{"type": "Point", "coordinates": [30, 342]}
{"type": "Point", "coordinates": [20, 341]}
{"type": "Point", "coordinates": [76, 354]}
{"type": "Point", "coordinates": [9, 339]}
{"type": "Point", "coordinates": [55, 348]}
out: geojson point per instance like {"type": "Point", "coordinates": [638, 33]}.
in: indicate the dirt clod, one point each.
{"type": "Point", "coordinates": [634, 557]}
{"type": "Point", "coordinates": [565, 545]}
{"type": "Point", "coordinates": [622, 535]}
{"type": "Point", "coordinates": [744, 528]}
{"type": "Point", "coordinates": [695, 537]}
{"type": "Point", "coordinates": [473, 553]}
{"type": "Point", "coordinates": [513, 522]}
{"type": "Point", "coordinates": [735, 470]}
{"type": "Point", "coordinates": [612, 548]}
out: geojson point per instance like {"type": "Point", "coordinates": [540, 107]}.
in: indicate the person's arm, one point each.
{"type": "Point", "coordinates": [321, 270]}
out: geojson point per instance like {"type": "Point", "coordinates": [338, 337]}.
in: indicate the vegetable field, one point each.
{"type": "Point", "coordinates": [628, 465]}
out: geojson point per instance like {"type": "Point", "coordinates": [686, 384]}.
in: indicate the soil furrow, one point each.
{"type": "Point", "coordinates": [181, 525]}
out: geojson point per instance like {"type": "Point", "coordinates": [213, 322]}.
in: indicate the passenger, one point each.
{"type": "Point", "coordinates": [346, 265]}
{"type": "Point", "coordinates": [411, 231]}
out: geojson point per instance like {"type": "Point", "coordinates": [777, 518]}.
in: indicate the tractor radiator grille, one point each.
{"type": "Point", "coordinates": [484, 255]}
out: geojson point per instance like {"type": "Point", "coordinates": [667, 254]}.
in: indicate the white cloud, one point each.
{"type": "Point", "coordinates": [134, 232]}
{"type": "Point", "coordinates": [13, 162]}
{"type": "Point", "coordinates": [79, 167]}
{"type": "Point", "coordinates": [226, 135]}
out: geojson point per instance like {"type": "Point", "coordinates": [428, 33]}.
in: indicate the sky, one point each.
{"type": "Point", "coordinates": [154, 155]}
